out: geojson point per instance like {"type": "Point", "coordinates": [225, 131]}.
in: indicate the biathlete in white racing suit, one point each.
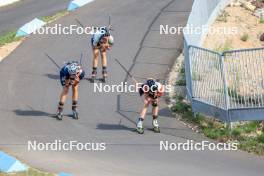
{"type": "Point", "coordinates": [101, 41]}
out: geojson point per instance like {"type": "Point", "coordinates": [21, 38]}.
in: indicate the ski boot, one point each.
{"type": "Point", "coordinates": [104, 73]}
{"type": "Point", "coordinates": [59, 116]}
{"type": "Point", "coordinates": [156, 127]}
{"type": "Point", "coordinates": [75, 115]}
{"type": "Point", "coordinates": [140, 128]}
{"type": "Point", "coordinates": [93, 77]}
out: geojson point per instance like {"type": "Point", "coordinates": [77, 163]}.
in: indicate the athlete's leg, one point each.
{"type": "Point", "coordinates": [74, 97]}
{"type": "Point", "coordinates": [140, 127]}
{"type": "Point", "coordinates": [104, 63]}
{"type": "Point", "coordinates": [95, 60]}
{"type": "Point", "coordinates": [155, 111]}
{"type": "Point", "coordinates": [63, 97]}
{"type": "Point", "coordinates": [145, 108]}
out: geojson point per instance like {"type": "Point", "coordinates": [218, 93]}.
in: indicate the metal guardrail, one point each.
{"type": "Point", "coordinates": [229, 86]}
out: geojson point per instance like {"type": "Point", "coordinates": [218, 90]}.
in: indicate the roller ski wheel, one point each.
{"type": "Point", "coordinates": [140, 130]}
{"type": "Point", "coordinates": [156, 127]}
{"type": "Point", "coordinates": [156, 130]}
{"type": "Point", "coordinates": [93, 79]}
{"type": "Point", "coordinates": [104, 79]}
{"type": "Point", "coordinates": [59, 116]}
{"type": "Point", "coordinates": [75, 115]}
{"type": "Point", "coordinates": [104, 73]}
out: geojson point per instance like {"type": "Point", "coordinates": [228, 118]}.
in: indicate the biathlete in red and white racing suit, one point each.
{"type": "Point", "coordinates": [152, 91]}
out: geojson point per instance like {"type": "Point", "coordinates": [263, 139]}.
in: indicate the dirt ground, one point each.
{"type": "Point", "coordinates": [8, 48]}
{"type": "Point", "coordinates": [244, 23]}
{"type": "Point", "coordinates": [244, 71]}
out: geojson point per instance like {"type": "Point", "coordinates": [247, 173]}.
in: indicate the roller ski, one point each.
{"type": "Point", "coordinates": [104, 78]}
{"type": "Point", "coordinates": [93, 77]}
{"type": "Point", "coordinates": [59, 116]}
{"type": "Point", "coordinates": [156, 127]}
{"type": "Point", "coordinates": [140, 128]}
{"type": "Point", "coordinates": [75, 115]}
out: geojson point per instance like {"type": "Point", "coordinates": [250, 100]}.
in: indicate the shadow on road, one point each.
{"type": "Point", "coordinates": [33, 113]}
{"type": "Point", "coordinates": [53, 76]}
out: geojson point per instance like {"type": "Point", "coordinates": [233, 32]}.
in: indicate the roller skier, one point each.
{"type": "Point", "coordinates": [101, 41]}
{"type": "Point", "coordinates": [152, 91]}
{"type": "Point", "coordinates": [70, 76]}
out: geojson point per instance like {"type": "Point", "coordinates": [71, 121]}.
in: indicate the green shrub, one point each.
{"type": "Point", "coordinates": [223, 16]}
{"type": "Point", "coordinates": [181, 107]}
{"type": "Point", "coordinates": [260, 138]}
{"type": "Point", "coordinates": [261, 21]}
{"type": "Point", "coordinates": [244, 37]}
{"type": "Point", "coordinates": [181, 82]}
{"type": "Point", "coordinates": [236, 132]}
{"type": "Point", "coordinates": [216, 133]}
{"type": "Point", "coordinates": [227, 46]}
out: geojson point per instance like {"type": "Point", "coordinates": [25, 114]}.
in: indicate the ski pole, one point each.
{"type": "Point", "coordinates": [129, 74]}
{"type": "Point", "coordinates": [78, 21]}
{"type": "Point", "coordinates": [81, 59]}
{"type": "Point", "coordinates": [52, 60]}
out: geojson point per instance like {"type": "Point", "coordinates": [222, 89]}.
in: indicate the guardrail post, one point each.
{"type": "Point", "coordinates": [188, 70]}
{"type": "Point", "coordinates": [223, 70]}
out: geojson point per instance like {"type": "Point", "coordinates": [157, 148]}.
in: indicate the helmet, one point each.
{"type": "Point", "coordinates": [74, 68]}
{"type": "Point", "coordinates": [111, 40]}
{"type": "Point", "coordinates": [152, 85]}
{"type": "Point", "coordinates": [105, 31]}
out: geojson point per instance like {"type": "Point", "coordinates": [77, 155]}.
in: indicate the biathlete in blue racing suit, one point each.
{"type": "Point", "coordinates": [70, 76]}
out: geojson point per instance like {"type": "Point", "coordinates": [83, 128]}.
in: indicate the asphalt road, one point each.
{"type": "Point", "coordinates": [15, 15]}
{"type": "Point", "coordinates": [30, 89]}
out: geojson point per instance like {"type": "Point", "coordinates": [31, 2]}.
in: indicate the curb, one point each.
{"type": "Point", "coordinates": [30, 27]}
{"type": "Point", "coordinates": [9, 164]}
{"type": "Point", "coordinates": [77, 4]}
{"type": "Point", "coordinates": [36, 23]}
{"type": "Point", "coordinates": [7, 2]}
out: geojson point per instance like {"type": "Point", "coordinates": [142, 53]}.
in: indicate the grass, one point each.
{"type": "Point", "coordinates": [196, 77]}
{"type": "Point", "coordinates": [236, 97]}
{"type": "Point", "coordinates": [8, 37]}
{"type": "Point", "coordinates": [247, 135]}
{"type": "Point", "coordinates": [227, 46]}
{"type": "Point", "coordinates": [49, 19]}
{"type": "Point", "coordinates": [31, 172]}
{"type": "Point", "coordinates": [261, 21]}
{"type": "Point", "coordinates": [244, 37]}
{"type": "Point", "coordinates": [181, 81]}
{"type": "Point", "coordinates": [223, 16]}
{"type": "Point", "coordinates": [216, 130]}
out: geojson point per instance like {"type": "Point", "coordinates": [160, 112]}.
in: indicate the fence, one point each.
{"type": "Point", "coordinates": [229, 86]}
